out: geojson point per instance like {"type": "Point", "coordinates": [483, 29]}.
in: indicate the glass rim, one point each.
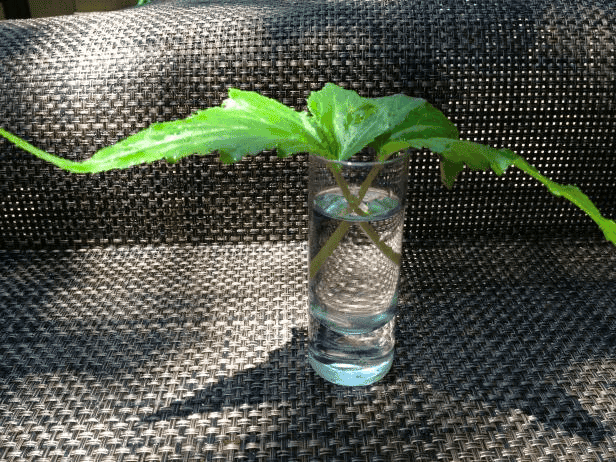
{"type": "Point", "coordinates": [345, 163]}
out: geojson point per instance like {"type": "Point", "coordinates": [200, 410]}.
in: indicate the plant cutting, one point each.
{"type": "Point", "coordinates": [338, 124]}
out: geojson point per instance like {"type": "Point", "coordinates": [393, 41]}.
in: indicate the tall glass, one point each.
{"type": "Point", "coordinates": [356, 223]}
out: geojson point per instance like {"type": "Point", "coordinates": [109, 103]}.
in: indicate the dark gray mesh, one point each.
{"type": "Point", "coordinates": [504, 352]}
{"type": "Point", "coordinates": [159, 313]}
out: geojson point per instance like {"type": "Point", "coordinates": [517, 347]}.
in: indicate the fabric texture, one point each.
{"type": "Point", "coordinates": [159, 313]}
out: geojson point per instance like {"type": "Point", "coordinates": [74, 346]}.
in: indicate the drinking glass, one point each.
{"type": "Point", "coordinates": [356, 221]}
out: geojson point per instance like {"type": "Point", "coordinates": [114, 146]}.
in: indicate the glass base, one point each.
{"type": "Point", "coordinates": [351, 374]}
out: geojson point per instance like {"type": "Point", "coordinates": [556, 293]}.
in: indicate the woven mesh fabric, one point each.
{"type": "Point", "coordinates": [534, 76]}
{"type": "Point", "coordinates": [505, 352]}
{"type": "Point", "coordinates": [159, 313]}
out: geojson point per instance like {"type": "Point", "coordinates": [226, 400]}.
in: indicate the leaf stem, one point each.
{"type": "Point", "coordinates": [353, 201]}
{"type": "Point", "coordinates": [328, 247]}
{"type": "Point", "coordinates": [75, 167]}
{"type": "Point", "coordinates": [388, 251]}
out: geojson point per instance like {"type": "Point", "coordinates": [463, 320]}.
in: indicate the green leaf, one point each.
{"type": "Point", "coordinates": [340, 123]}
{"type": "Point", "coordinates": [449, 172]}
{"type": "Point", "coordinates": [575, 195]}
{"type": "Point", "coordinates": [422, 122]}
{"type": "Point", "coordinates": [458, 153]}
{"type": "Point", "coordinates": [350, 122]}
{"type": "Point", "coordinates": [246, 123]}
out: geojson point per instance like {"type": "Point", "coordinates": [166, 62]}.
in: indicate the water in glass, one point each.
{"type": "Point", "coordinates": [353, 296]}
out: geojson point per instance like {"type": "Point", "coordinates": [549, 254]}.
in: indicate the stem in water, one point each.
{"type": "Point", "coordinates": [354, 202]}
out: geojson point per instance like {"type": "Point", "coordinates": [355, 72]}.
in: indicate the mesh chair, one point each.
{"type": "Point", "coordinates": [159, 312]}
